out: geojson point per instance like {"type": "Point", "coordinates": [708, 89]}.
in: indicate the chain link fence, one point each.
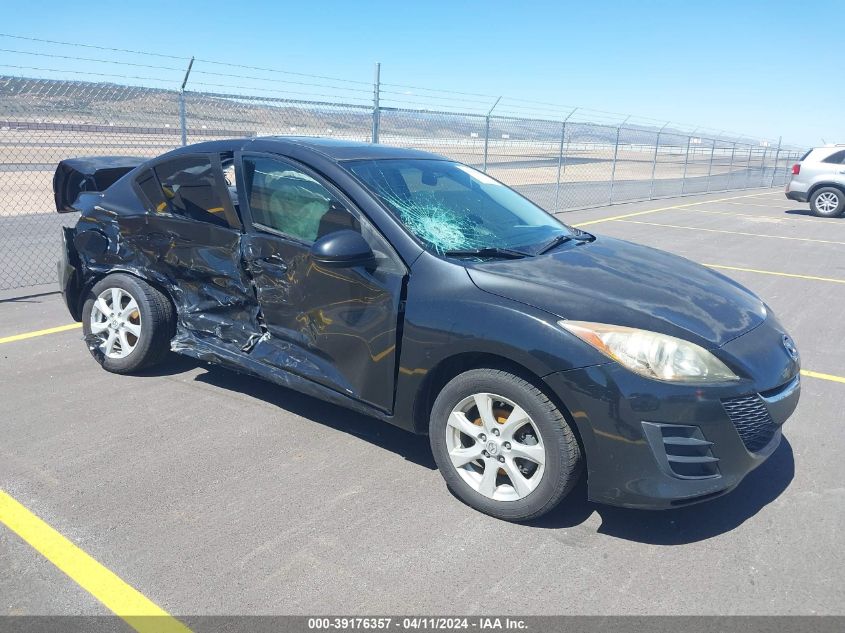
{"type": "Point", "coordinates": [561, 165]}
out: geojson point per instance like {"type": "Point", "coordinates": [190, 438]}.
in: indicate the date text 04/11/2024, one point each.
{"type": "Point", "coordinates": [417, 623]}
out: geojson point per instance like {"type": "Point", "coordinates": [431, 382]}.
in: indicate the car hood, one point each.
{"type": "Point", "coordinates": [614, 281]}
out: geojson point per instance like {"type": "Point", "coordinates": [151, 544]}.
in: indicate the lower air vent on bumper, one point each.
{"type": "Point", "coordinates": [752, 421]}
{"type": "Point", "coordinates": [681, 450]}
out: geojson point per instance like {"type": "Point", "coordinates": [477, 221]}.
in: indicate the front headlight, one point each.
{"type": "Point", "coordinates": [651, 354]}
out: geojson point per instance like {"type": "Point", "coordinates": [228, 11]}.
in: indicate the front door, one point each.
{"type": "Point", "coordinates": [336, 326]}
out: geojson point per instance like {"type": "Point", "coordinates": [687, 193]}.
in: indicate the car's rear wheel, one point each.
{"type": "Point", "coordinates": [127, 323]}
{"type": "Point", "coordinates": [827, 202]}
{"type": "Point", "coordinates": [502, 445]}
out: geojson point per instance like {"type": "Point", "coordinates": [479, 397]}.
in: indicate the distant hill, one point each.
{"type": "Point", "coordinates": [61, 102]}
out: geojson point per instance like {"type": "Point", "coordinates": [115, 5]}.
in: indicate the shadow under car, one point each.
{"type": "Point", "coordinates": [682, 525]}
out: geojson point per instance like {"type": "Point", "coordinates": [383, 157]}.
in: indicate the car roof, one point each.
{"type": "Point", "coordinates": [823, 151]}
{"type": "Point", "coordinates": [333, 148]}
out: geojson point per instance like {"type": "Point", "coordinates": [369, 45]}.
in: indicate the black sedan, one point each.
{"type": "Point", "coordinates": [423, 292]}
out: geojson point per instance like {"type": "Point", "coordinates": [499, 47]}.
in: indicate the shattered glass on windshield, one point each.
{"type": "Point", "coordinates": [443, 228]}
{"type": "Point", "coordinates": [452, 207]}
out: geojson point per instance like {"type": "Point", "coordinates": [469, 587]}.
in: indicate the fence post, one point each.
{"type": "Point", "coordinates": [731, 167]}
{"type": "Point", "coordinates": [686, 161]}
{"type": "Point", "coordinates": [748, 166]}
{"type": "Point", "coordinates": [376, 95]}
{"type": "Point", "coordinates": [487, 132]}
{"type": "Point", "coordinates": [183, 112]}
{"type": "Point", "coordinates": [763, 166]}
{"type": "Point", "coordinates": [486, 140]}
{"type": "Point", "coordinates": [560, 162]}
{"type": "Point", "coordinates": [654, 161]}
{"type": "Point", "coordinates": [560, 157]}
{"type": "Point", "coordinates": [183, 123]}
{"type": "Point", "coordinates": [615, 154]}
{"type": "Point", "coordinates": [710, 166]}
{"type": "Point", "coordinates": [777, 156]}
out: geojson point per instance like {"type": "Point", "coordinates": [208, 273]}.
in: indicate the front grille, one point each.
{"type": "Point", "coordinates": [752, 421]}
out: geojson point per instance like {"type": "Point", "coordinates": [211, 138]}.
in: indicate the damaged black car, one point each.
{"type": "Point", "coordinates": [423, 292]}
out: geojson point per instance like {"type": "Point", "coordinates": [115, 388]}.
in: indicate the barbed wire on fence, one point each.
{"type": "Point", "coordinates": [561, 157]}
{"type": "Point", "coordinates": [400, 94]}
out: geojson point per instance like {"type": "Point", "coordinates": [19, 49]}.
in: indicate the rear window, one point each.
{"type": "Point", "coordinates": [807, 153]}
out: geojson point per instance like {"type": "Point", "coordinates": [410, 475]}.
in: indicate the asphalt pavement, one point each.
{"type": "Point", "coordinates": [214, 493]}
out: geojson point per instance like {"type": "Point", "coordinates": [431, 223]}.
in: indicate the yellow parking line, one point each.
{"type": "Point", "coordinates": [128, 603]}
{"type": "Point", "coordinates": [676, 206]}
{"type": "Point", "coordinates": [815, 374]}
{"type": "Point", "coordinates": [699, 228]}
{"type": "Point", "coordinates": [773, 272]}
{"type": "Point", "coordinates": [49, 330]}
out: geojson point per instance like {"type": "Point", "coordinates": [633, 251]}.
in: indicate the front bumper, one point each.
{"type": "Point", "coordinates": [658, 445]}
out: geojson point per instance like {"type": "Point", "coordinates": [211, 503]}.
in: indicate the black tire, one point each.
{"type": "Point", "coordinates": [562, 452]}
{"type": "Point", "coordinates": [825, 194]}
{"type": "Point", "coordinates": [157, 324]}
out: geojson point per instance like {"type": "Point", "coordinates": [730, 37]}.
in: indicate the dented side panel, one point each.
{"type": "Point", "coordinates": [208, 350]}
{"type": "Point", "coordinates": [212, 293]}
{"type": "Point", "coordinates": [197, 264]}
{"type": "Point", "coordinates": [328, 332]}
{"type": "Point", "coordinates": [256, 298]}
{"type": "Point", "coordinates": [336, 326]}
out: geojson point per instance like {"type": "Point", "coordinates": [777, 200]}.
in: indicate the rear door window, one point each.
{"type": "Point", "coordinates": [190, 187]}
{"type": "Point", "coordinates": [148, 184]}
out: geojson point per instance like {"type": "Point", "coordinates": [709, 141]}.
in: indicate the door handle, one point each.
{"type": "Point", "coordinates": [277, 261]}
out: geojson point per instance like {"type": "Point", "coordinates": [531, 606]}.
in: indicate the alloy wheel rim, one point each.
{"type": "Point", "coordinates": [116, 321]}
{"type": "Point", "coordinates": [495, 447]}
{"type": "Point", "coordinates": [827, 202]}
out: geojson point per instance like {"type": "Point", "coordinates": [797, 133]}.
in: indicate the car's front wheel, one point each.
{"type": "Point", "coordinates": [127, 323]}
{"type": "Point", "coordinates": [827, 202]}
{"type": "Point", "coordinates": [502, 445]}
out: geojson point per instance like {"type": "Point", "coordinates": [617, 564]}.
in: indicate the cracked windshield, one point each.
{"type": "Point", "coordinates": [456, 210]}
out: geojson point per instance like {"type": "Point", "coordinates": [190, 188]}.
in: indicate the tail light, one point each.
{"type": "Point", "coordinates": [796, 169]}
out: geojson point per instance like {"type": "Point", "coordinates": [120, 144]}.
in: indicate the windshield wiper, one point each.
{"type": "Point", "coordinates": [557, 240]}
{"type": "Point", "coordinates": [583, 236]}
{"type": "Point", "coordinates": [489, 251]}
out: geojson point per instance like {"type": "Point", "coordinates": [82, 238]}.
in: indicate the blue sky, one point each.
{"type": "Point", "coordinates": [764, 68]}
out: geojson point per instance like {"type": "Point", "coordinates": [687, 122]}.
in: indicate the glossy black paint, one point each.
{"type": "Point", "coordinates": [381, 335]}
{"type": "Point", "coordinates": [613, 281]}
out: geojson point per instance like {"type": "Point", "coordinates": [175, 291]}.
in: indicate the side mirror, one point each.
{"type": "Point", "coordinates": [343, 249]}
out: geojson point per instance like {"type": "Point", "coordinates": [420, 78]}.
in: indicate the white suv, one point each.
{"type": "Point", "coordinates": [819, 177]}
